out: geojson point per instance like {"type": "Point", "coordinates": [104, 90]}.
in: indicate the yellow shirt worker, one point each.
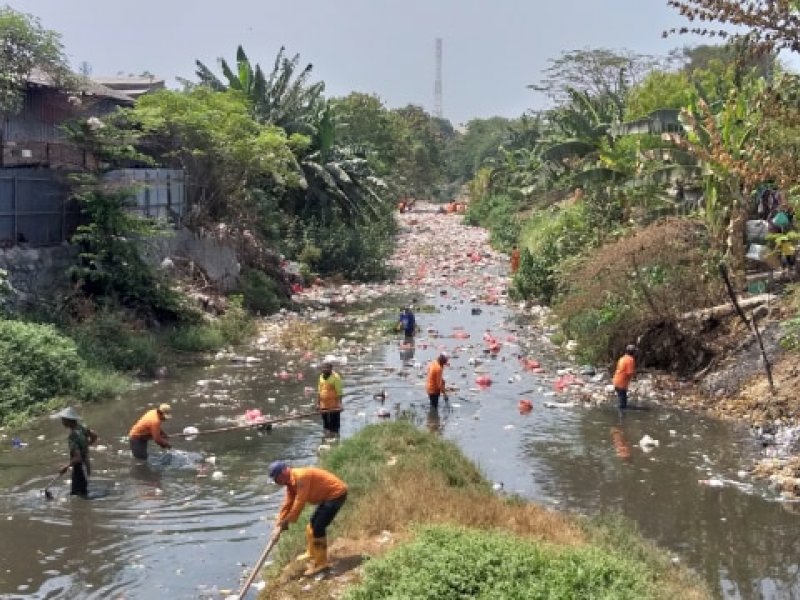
{"type": "Point", "coordinates": [329, 399]}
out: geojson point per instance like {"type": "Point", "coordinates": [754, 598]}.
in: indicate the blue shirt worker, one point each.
{"type": "Point", "coordinates": [406, 322]}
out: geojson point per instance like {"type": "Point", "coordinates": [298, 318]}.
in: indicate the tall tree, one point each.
{"type": "Point", "coordinates": [768, 25]}
{"type": "Point", "coordinates": [598, 73]}
{"type": "Point", "coordinates": [24, 46]}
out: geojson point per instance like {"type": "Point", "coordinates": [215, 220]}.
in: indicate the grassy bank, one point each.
{"type": "Point", "coordinates": [96, 358]}
{"type": "Point", "coordinates": [422, 522]}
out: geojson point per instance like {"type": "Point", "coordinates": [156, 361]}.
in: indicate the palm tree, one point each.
{"type": "Point", "coordinates": [284, 98]}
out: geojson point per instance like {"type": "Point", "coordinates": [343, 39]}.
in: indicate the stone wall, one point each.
{"type": "Point", "coordinates": [216, 259]}
{"type": "Point", "coordinates": [41, 273]}
{"type": "Point", "coordinates": [37, 272]}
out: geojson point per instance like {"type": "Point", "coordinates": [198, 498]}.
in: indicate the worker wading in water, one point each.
{"type": "Point", "coordinates": [147, 428]}
{"type": "Point", "coordinates": [435, 384]}
{"type": "Point", "coordinates": [79, 440]}
{"type": "Point", "coordinates": [329, 399]}
{"type": "Point", "coordinates": [626, 369]}
{"type": "Point", "coordinates": [515, 259]}
{"type": "Point", "coordinates": [310, 485]}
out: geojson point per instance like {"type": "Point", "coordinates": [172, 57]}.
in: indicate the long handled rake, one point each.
{"type": "Point", "coordinates": [47, 493]}
{"type": "Point", "coordinates": [259, 563]}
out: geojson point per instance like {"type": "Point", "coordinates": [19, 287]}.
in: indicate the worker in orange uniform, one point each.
{"type": "Point", "coordinates": [147, 428]}
{"type": "Point", "coordinates": [626, 369]}
{"type": "Point", "coordinates": [329, 399]}
{"type": "Point", "coordinates": [314, 486]}
{"type": "Point", "coordinates": [515, 258]}
{"type": "Point", "coordinates": [435, 384]}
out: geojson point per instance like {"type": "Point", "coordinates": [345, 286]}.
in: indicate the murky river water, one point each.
{"type": "Point", "coordinates": [170, 531]}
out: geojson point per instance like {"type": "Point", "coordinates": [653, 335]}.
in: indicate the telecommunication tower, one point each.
{"type": "Point", "coordinates": [437, 88]}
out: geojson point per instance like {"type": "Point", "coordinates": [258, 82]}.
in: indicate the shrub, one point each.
{"type": "Point", "coordinates": [498, 214]}
{"type": "Point", "coordinates": [260, 293]}
{"type": "Point", "coordinates": [642, 282]}
{"type": "Point", "coordinates": [197, 338]}
{"type": "Point", "coordinates": [37, 364]}
{"type": "Point", "coordinates": [549, 238]}
{"type": "Point", "coordinates": [234, 327]}
{"type": "Point", "coordinates": [108, 339]}
{"type": "Point", "coordinates": [355, 251]}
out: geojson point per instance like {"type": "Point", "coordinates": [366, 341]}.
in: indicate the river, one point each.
{"type": "Point", "coordinates": [175, 529]}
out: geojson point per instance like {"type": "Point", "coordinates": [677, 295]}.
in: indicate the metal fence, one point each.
{"type": "Point", "coordinates": [36, 207]}
{"type": "Point", "coordinates": [159, 193]}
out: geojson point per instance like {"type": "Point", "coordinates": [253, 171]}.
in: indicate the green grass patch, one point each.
{"type": "Point", "coordinates": [449, 562]}
{"type": "Point", "coordinates": [361, 461]}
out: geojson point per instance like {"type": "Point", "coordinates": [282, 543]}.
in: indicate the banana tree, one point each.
{"type": "Point", "coordinates": [724, 141]}
{"type": "Point", "coordinates": [284, 98]}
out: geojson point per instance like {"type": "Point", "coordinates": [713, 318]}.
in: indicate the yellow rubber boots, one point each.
{"type": "Point", "coordinates": [319, 555]}
{"type": "Point", "coordinates": [309, 553]}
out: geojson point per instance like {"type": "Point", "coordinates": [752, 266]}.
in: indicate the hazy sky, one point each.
{"type": "Point", "coordinates": [492, 48]}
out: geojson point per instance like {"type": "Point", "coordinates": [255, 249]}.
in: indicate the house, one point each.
{"type": "Point", "coordinates": [36, 208]}
{"type": "Point", "coordinates": [34, 136]}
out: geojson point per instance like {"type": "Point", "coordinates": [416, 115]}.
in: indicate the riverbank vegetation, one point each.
{"type": "Point", "coordinates": [422, 522]}
{"type": "Point", "coordinates": [629, 192]}
{"type": "Point", "coordinates": [274, 170]}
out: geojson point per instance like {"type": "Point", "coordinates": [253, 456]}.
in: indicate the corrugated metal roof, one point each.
{"type": "Point", "coordinates": [132, 86]}
{"type": "Point", "coordinates": [133, 81]}
{"type": "Point", "coordinates": [85, 86]}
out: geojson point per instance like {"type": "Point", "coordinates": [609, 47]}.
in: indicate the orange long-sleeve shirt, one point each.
{"type": "Point", "coordinates": [435, 383]}
{"type": "Point", "coordinates": [516, 256]}
{"type": "Point", "coordinates": [308, 485]}
{"type": "Point", "coordinates": [149, 428]}
{"type": "Point", "coordinates": [626, 368]}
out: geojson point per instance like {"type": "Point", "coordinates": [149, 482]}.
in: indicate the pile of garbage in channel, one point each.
{"type": "Point", "coordinates": [441, 265]}
{"type": "Point", "coordinates": [437, 258]}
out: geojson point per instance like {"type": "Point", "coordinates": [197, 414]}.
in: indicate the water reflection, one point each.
{"type": "Point", "coordinates": [407, 351]}
{"type": "Point", "coordinates": [171, 530]}
{"type": "Point", "coordinates": [723, 533]}
{"type": "Point", "coordinates": [434, 421]}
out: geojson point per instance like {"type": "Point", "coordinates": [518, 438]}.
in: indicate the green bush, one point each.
{"type": "Point", "coordinates": [550, 238]}
{"type": "Point", "coordinates": [108, 340]}
{"type": "Point", "coordinates": [234, 327]}
{"type": "Point", "coordinates": [355, 251]}
{"type": "Point", "coordinates": [37, 364]}
{"type": "Point", "coordinates": [260, 293]}
{"type": "Point", "coordinates": [99, 384]}
{"type": "Point", "coordinates": [197, 338]}
{"type": "Point", "coordinates": [448, 562]}
{"type": "Point", "coordinates": [498, 214]}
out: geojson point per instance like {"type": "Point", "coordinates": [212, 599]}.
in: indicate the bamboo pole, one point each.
{"type": "Point", "coordinates": [252, 425]}
{"type": "Point", "coordinates": [259, 563]}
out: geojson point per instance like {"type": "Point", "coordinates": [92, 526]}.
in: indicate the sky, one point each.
{"type": "Point", "coordinates": [492, 49]}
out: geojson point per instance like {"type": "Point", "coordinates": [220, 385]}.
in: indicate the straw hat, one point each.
{"type": "Point", "coordinates": [69, 413]}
